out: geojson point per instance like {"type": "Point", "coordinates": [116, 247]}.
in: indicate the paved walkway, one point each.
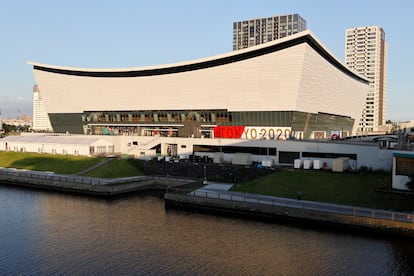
{"type": "Point", "coordinates": [214, 186]}
{"type": "Point", "coordinates": [103, 162]}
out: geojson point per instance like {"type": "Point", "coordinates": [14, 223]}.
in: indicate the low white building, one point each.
{"type": "Point", "coordinates": [277, 152]}
{"type": "Point", "coordinates": [72, 145]}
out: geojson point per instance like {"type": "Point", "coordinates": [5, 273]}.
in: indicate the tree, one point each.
{"type": "Point", "coordinates": [9, 128]}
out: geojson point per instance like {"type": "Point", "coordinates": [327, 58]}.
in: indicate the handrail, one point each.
{"type": "Point", "coordinates": [306, 205]}
{"type": "Point", "coordinates": [150, 141]}
{"type": "Point", "coordinates": [30, 176]}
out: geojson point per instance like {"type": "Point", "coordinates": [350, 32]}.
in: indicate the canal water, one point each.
{"type": "Point", "coordinates": [43, 233]}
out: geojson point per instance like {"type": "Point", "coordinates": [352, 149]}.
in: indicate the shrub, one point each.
{"type": "Point", "coordinates": [410, 184]}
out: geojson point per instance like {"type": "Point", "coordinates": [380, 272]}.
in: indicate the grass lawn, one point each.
{"type": "Point", "coordinates": [116, 168]}
{"type": "Point", "coordinates": [339, 188]}
{"type": "Point", "coordinates": [62, 164]}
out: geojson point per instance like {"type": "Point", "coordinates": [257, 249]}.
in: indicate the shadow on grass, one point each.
{"type": "Point", "coordinates": [340, 188]}
{"type": "Point", "coordinates": [56, 164]}
{"type": "Point", "coordinates": [116, 168]}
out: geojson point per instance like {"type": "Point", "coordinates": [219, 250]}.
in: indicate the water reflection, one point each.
{"type": "Point", "coordinates": [44, 232]}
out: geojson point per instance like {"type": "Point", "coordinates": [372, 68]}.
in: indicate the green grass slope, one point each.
{"type": "Point", "coordinates": [339, 188]}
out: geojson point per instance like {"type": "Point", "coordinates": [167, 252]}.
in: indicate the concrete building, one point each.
{"type": "Point", "coordinates": [366, 53]}
{"type": "Point", "coordinates": [256, 31]}
{"type": "Point", "coordinates": [41, 120]}
{"type": "Point", "coordinates": [292, 87]}
{"type": "Point", "coordinates": [20, 122]}
{"type": "Point", "coordinates": [407, 126]}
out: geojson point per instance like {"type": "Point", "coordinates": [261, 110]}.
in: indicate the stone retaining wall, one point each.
{"type": "Point", "coordinates": [89, 185]}
{"type": "Point", "coordinates": [291, 214]}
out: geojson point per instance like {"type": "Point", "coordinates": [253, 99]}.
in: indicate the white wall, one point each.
{"type": "Point", "coordinates": [72, 145]}
{"type": "Point", "coordinates": [371, 156]}
{"type": "Point", "coordinates": [46, 148]}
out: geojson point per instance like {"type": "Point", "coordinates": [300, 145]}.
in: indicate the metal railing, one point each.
{"type": "Point", "coordinates": [406, 147]}
{"type": "Point", "coordinates": [50, 176]}
{"type": "Point", "coordinates": [306, 205]}
{"type": "Point", "coordinates": [32, 176]}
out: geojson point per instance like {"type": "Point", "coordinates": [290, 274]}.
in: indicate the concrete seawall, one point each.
{"type": "Point", "coordinates": [397, 223]}
{"type": "Point", "coordinates": [88, 185]}
{"type": "Point", "coordinates": [299, 215]}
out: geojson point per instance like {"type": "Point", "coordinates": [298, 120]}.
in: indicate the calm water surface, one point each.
{"type": "Point", "coordinates": [53, 233]}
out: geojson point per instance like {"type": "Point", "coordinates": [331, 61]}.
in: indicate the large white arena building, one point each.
{"type": "Point", "coordinates": [250, 105]}
{"type": "Point", "coordinates": [291, 87]}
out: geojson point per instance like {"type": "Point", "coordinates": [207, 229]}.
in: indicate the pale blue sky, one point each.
{"type": "Point", "coordinates": [103, 33]}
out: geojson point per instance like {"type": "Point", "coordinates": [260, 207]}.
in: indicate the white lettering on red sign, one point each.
{"type": "Point", "coordinates": [270, 133]}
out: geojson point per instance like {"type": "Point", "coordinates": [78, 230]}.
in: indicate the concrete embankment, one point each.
{"type": "Point", "coordinates": [291, 214]}
{"type": "Point", "coordinates": [88, 185]}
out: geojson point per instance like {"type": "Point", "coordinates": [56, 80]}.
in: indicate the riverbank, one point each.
{"type": "Point", "coordinates": [221, 202]}
{"type": "Point", "coordinates": [296, 211]}
{"type": "Point", "coordinates": [251, 181]}
{"type": "Point", "coordinates": [89, 185]}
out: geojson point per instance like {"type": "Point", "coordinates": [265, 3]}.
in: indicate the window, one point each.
{"type": "Point", "coordinates": [101, 149]}
{"type": "Point", "coordinates": [404, 166]}
{"type": "Point", "coordinates": [329, 155]}
{"type": "Point", "coordinates": [318, 134]}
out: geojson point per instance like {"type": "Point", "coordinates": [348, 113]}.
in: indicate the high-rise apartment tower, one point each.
{"type": "Point", "coordinates": [261, 30]}
{"type": "Point", "coordinates": [366, 53]}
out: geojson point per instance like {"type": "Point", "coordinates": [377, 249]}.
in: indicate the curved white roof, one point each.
{"type": "Point", "coordinates": [202, 63]}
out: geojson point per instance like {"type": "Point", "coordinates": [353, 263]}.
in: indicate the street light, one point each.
{"type": "Point", "coordinates": [205, 175]}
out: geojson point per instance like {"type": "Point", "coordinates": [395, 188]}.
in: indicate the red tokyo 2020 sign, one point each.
{"type": "Point", "coordinates": [247, 132]}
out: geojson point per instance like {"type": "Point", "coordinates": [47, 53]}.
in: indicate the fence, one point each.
{"type": "Point", "coordinates": [33, 176]}
{"type": "Point", "coordinates": [306, 205]}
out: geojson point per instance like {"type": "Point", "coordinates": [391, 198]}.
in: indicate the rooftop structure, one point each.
{"type": "Point", "coordinates": [256, 31]}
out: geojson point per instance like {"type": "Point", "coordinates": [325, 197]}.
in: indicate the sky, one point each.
{"type": "Point", "coordinates": [135, 33]}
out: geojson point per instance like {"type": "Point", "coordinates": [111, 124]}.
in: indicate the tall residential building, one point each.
{"type": "Point", "coordinates": [41, 120]}
{"type": "Point", "coordinates": [261, 30]}
{"type": "Point", "coordinates": [366, 53]}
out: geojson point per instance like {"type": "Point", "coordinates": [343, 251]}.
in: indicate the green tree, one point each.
{"type": "Point", "coordinates": [9, 128]}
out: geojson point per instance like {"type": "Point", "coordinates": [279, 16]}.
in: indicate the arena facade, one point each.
{"type": "Point", "coordinates": [288, 88]}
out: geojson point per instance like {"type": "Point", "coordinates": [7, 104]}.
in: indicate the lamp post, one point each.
{"type": "Point", "coordinates": [205, 175]}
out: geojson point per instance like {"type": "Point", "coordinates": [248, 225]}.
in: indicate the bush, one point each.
{"type": "Point", "coordinates": [365, 169]}
{"type": "Point", "coordinates": [410, 184]}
